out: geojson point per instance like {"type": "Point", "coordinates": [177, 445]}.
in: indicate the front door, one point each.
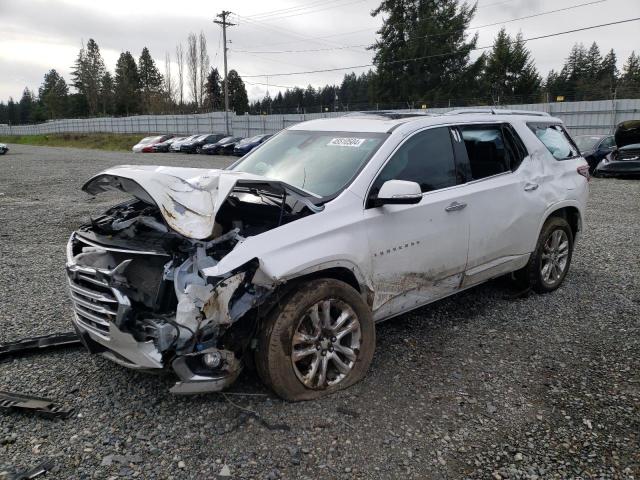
{"type": "Point", "coordinates": [418, 252]}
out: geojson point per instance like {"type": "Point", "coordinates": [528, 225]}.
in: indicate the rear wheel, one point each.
{"type": "Point", "coordinates": [319, 340]}
{"type": "Point", "coordinates": [549, 263]}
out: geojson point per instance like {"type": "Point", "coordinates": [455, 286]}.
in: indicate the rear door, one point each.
{"type": "Point", "coordinates": [418, 252]}
{"type": "Point", "coordinates": [504, 205]}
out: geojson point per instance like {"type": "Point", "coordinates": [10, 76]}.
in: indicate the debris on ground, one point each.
{"type": "Point", "coordinates": [33, 344]}
{"type": "Point", "coordinates": [40, 406]}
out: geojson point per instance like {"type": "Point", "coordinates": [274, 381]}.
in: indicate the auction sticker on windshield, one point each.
{"type": "Point", "coordinates": [346, 142]}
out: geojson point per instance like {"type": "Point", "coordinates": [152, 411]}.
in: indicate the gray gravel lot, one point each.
{"type": "Point", "coordinates": [480, 385]}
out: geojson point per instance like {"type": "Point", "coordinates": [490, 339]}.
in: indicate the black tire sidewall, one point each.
{"type": "Point", "coordinates": [550, 226]}
{"type": "Point", "coordinates": [273, 357]}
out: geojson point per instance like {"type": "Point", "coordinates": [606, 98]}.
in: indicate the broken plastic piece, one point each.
{"type": "Point", "coordinates": [39, 343]}
{"type": "Point", "coordinates": [42, 468]}
{"type": "Point", "coordinates": [40, 406]}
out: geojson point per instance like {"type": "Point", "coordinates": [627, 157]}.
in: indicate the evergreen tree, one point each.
{"type": "Point", "coordinates": [87, 74]}
{"type": "Point", "coordinates": [509, 72]}
{"type": "Point", "coordinates": [238, 100]}
{"type": "Point", "coordinates": [13, 113]}
{"type": "Point", "coordinates": [213, 96]}
{"type": "Point", "coordinates": [309, 99]}
{"type": "Point", "coordinates": [127, 85]}
{"type": "Point", "coordinates": [608, 75]}
{"type": "Point", "coordinates": [433, 33]}
{"type": "Point", "coordinates": [53, 94]}
{"type": "Point", "coordinates": [150, 80]}
{"type": "Point", "coordinates": [630, 79]}
{"type": "Point", "coordinates": [594, 62]}
{"type": "Point", "coordinates": [26, 106]}
{"type": "Point", "coordinates": [107, 94]}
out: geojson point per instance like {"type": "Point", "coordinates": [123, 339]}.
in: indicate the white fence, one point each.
{"type": "Point", "coordinates": [595, 117]}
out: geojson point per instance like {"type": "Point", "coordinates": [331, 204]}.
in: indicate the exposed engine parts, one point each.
{"type": "Point", "coordinates": [140, 290]}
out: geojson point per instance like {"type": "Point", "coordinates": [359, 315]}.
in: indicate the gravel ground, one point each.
{"type": "Point", "coordinates": [480, 385]}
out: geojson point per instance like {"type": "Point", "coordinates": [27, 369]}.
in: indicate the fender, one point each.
{"type": "Point", "coordinates": [559, 205]}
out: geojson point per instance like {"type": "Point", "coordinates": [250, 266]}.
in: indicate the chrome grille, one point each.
{"type": "Point", "coordinates": [93, 300]}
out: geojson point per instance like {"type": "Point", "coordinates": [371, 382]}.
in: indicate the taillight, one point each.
{"type": "Point", "coordinates": [584, 171]}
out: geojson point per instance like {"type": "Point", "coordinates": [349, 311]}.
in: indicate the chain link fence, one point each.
{"type": "Point", "coordinates": [590, 117]}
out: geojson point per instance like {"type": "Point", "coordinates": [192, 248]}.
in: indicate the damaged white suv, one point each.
{"type": "Point", "coordinates": [287, 259]}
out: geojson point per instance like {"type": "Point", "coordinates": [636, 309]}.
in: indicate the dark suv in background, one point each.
{"type": "Point", "coordinates": [195, 145]}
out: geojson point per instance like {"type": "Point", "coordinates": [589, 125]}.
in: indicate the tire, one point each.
{"type": "Point", "coordinates": [198, 150]}
{"type": "Point", "coordinates": [288, 369]}
{"type": "Point", "coordinates": [548, 264]}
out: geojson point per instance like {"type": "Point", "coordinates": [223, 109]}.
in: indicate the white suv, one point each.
{"type": "Point", "coordinates": [287, 259]}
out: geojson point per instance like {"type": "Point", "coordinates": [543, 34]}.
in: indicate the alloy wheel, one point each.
{"type": "Point", "coordinates": [326, 344]}
{"type": "Point", "coordinates": [555, 257]}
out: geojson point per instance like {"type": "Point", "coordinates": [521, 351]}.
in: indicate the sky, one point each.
{"type": "Point", "coordinates": [37, 35]}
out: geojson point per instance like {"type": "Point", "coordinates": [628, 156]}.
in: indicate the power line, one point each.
{"type": "Point", "coordinates": [269, 84]}
{"type": "Point", "coordinates": [430, 36]}
{"type": "Point", "coordinates": [290, 33]}
{"type": "Point", "coordinates": [308, 10]}
{"type": "Point", "coordinates": [295, 14]}
{"type": "Point", "coordinates": [290, 9]}
{"type": "Point", "coordinates": [524, 40]}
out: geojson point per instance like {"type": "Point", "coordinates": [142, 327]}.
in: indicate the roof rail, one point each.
{"type": "Point", "coordinates": [497, 111]}
{"type": "Point", "coordinates": [390, 114]}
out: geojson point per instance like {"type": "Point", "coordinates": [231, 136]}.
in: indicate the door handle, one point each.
{"type": "Point", "coordinates": [530, 187]}
{"type": "Point", "coordinates": [455, 206]}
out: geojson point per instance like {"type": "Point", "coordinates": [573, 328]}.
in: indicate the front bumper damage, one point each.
{"type": "Point", "coordinates": [188, 341]}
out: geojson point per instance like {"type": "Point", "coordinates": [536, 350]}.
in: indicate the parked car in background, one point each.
{"type": "Point", "coordinates": [163, 147]}
{"type": "Point", "coordinates": [594, 148]}
{"type": "Point", "coordinates": [3, 149]}
{"type": "Point", "coordinates": [146, 144]}
{"type": "Point", "coordinates": [175, 146]}
{"type": "Point", "coordinates": [221, 147]}
{"type": "Point", "coordinates": [245, 146]}
{"type": "Point", "coordinates": [625, 159]}
{"type": "Point", "coordinates": [195, 145]}
{"type": "Point", "coordinates": [287, 259]}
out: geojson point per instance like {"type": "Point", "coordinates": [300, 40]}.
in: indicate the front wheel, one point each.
{"type": "Point", "coordinates": [319, 340]}
{"type": "Point", "coordinates": [549, 263]}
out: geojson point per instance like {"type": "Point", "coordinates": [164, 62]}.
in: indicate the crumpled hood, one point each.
{"type": "Point", "coordinates": [188, 198]}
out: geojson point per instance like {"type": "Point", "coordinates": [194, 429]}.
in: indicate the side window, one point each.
{"type": "Point", "coordinates": [489, 154]}
{"type": "Point", "coordinates": [426, 158]}
{"type": "Point", "coordinates": [556, 139]}
{"type": "Point", "coordinates": [517, 150]}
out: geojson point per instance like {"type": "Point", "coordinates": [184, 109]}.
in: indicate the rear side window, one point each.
{"type": "Point", "coordinates": [556, 139]}
{"type": "Point", "coordinates": [426, 158]}
{"type": "Point", "coordinates": [488, 151]}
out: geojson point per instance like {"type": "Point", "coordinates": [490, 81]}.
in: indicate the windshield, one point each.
{"type": "Point", "coordinates": [586, 142]}
{"type": "Point", "coordinates": [322, 163]}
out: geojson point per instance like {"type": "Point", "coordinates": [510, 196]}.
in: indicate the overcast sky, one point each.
{"type": "Point", "coordinates": [37, 35]}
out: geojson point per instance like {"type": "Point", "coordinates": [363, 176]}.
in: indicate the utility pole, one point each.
{"type": "Point", "coordinates": [223, 22]}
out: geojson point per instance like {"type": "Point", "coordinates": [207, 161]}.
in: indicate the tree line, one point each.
{"type": "Point", "coordinates": [422, 58]}
{"type": "Point", "coordinates": [134, 87]}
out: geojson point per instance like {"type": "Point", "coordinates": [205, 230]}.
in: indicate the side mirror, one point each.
{"type": "Point", "coordinates": [398, 192]}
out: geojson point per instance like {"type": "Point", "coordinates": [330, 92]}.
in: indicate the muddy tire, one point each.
{"type": "Point", "coordinates": [318, 340]}
{"type": "Point", "coordinates": [549, 263]}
